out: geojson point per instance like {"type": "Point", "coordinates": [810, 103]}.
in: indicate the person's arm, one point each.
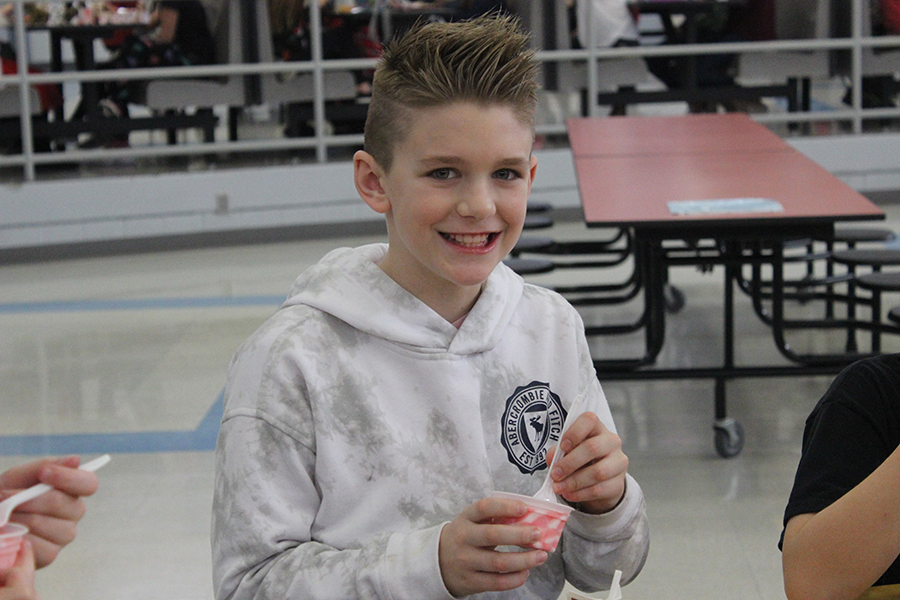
{"type": "Point", "coordinates": [51, 518]}
{"type": "Point", "coordinates": [17, 583]}
{"type": "Point", "coordinates": [264, 510]}
{"type": "Point", "coordinates": [168, 24]}
{"type": "Point", "coordinates": [841, 551]}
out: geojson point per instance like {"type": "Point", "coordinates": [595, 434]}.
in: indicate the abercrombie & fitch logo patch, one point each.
{"type": "Point", "coordinates": [532, 422]}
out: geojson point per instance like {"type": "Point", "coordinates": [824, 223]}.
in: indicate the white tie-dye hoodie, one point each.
{"type": "Point", "coordinates": [358, 422]}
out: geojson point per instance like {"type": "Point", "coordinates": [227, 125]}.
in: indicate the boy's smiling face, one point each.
{"type": "Point", "coordinates": [455, 200]}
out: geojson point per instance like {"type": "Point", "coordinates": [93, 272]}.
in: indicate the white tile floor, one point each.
{"type": "Point", "coordinates": [128, 355]}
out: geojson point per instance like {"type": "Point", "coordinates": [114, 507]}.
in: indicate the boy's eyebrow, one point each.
{"type": "Point", "coordinates": [455, 160]}
{"type": "Point", "coordinates": [440, 159]}
{"type": "Point", "coordinates": [514, 161]}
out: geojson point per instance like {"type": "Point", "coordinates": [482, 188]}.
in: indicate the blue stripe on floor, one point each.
{"type": "Point", "coordinates": [140, 304]}
{"type": "Point", "coordinates": [203, 438]}
{"type": "Point", "coordinates": [200, 439]}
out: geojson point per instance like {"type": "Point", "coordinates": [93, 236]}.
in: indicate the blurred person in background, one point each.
{"type": "Point", "coordinates": [179, 36]}
{"type": "Point", "coordinates": [343, 36]}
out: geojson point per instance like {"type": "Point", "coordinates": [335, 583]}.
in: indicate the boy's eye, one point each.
{"type": "Point", "coordinates": [508, 174]}
{"type": "Point", "coordinates": [443, 173]}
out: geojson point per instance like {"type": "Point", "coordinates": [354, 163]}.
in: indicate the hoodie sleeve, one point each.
{"type": "Point", "coordinates": [595, 546]}
{"type": "Point", "coordinates": [264, 510]}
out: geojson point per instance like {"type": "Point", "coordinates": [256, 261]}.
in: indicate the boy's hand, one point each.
{"type": "Point", "coordinates": [52, 517]}
{"type": "Point", "coordinates": [592, 472]}
{"type": "Point", "coordinates": [17, 583]}
{"type": "Point", "coordinates": [469, 564]}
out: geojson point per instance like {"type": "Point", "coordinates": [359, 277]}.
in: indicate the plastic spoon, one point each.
{"type": "Point", "coordinates": [7, 506]}
{"type": "Point", "coordinates": [615, 590]}
{"type": "Point", "coordinates": [546, 491]}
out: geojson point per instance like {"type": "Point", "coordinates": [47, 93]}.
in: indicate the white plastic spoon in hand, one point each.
{"type": "Point", "coordinates": [546, 491]}
{"type": "Point", "coordinates": [7, 506]}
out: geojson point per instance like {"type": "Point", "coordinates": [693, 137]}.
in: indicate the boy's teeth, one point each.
{"type": "Point", "coordinates": [470, 240]}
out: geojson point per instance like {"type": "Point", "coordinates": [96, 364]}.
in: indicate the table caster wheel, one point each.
{"type": "Point", "coordinates": [674, 299]}
{"type": "Point", "coordinates": [729, 437]}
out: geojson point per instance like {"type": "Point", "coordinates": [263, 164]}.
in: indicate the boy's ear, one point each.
{"type": "Point", "coordinates": [367, 175]}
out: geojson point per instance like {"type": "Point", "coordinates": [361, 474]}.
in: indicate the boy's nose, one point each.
{"type": "Point", "coordinates": [477, 202]}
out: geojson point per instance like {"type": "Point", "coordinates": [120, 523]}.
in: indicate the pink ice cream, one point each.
{"type": "Point", "coordinates": [549, 517]}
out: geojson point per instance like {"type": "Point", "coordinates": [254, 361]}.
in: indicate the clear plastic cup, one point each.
{"type": "Point", "coordinates": [549, 517]}
{"type": "Point", "coordinates": [11, 536]}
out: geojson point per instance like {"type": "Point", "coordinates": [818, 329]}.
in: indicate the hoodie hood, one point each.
{"type": "Point", "coordinates": [348, 285]}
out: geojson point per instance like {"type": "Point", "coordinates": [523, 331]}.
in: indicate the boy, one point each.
{"type": "Point", "coordinates": [368, 421]}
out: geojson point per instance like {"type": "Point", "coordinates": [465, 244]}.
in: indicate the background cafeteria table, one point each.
{"type": "Point", "coordinates": [630, 168]}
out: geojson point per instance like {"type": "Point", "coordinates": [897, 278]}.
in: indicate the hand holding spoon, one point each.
{"type": "Point", "coordinates": [546, 491]}
{"type": "Point", "coordinates": [7, 506]}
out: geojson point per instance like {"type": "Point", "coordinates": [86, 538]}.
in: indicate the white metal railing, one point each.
{"type": "Point", "coordinates": [28, 159]}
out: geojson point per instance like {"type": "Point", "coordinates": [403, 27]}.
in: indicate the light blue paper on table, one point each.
{"type": "Point", "coordinates": [725, 205]}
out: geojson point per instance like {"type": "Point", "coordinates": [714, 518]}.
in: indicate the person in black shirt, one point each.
{"type": "Point", "coordinates": [180, 37]}
{"type": "Point", "coordinates": [842, 523]}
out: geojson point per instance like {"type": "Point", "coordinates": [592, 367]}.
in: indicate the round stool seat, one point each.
{"type": "Point", "coordinates": [539, 207]}
{"type": "Point", "coordinates": [877, 257]}
{"type": "Point", "coordinates": [537, 221]}
{"type": "Point", "coordinates": [799, 243]}
{"type": "Point", "coordinates": [863, 234]}
{"type": "Point", "coordinates": [529, 266]}
{"type": "Point", "coordinates": [884, 282]}
{"type": "Point", "coordinates": [894, 314]}
{"type": "Point", "coordinates": [532, 244]}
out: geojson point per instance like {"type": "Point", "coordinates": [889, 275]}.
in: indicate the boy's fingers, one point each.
{"type": "Point", "coordinates": [489, 529]}
{"type": "Point", "coordinates": [481, 581]}
{"type": "Point", "coordinates": [608, 488]}
{"type": "Point", "coordinates": [72, 461]}
{"type": "Point", "coordinates": [501, 582]}
{"type": "Point", "coordinates": [22, 476]}
{"type": "Point", "coordinates": [586, 426]}
{"type": "Point", "coordinates": [595, 480]}
{"type": "Point", "coordinates": [585, 446]}
{"type": "Point", "coordinates": [44, 552]}
{"type": "Point", "coordinates": [48, 535]}
{"type": "Point", "coordinates": [69, 479]}
{"type": "Point", "coordinates": [503, 563]}
{"type": "Point", "coordinates": [61, 472]}
{"type": "Point", "coordinates": [19, 580]}
{"type": "Point", "coordinates": [54, 505]}
{"type": "Point", "coordinates": [490, 508]}
{"type": "Point", "coordinates": [26, 556]}
{"type": "Point", "coordinates": [596, 460]}
{"type": "Point", "coordinates": [57, 531]}
{"type": "Point", "coordinates": [490, 536]}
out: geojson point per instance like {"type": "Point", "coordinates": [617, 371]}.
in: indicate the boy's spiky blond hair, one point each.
{"type": "Point", "coordinates": [486, 60]}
